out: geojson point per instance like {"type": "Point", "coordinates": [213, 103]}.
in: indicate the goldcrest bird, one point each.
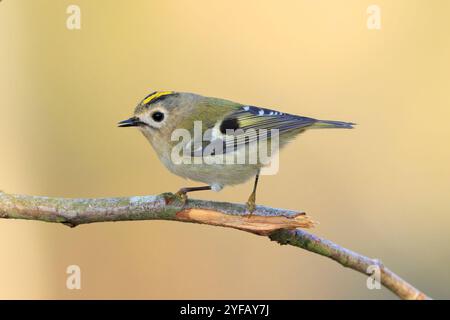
{"type": "Point", "coordinates": [225, 126]}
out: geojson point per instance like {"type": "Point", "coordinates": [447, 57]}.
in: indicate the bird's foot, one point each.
{"type": "Point", "coordinates": [181, 195]}
{"type": "Point", "coordinates": [251, 204]}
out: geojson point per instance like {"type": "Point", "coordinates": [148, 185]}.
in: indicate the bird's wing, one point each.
{"type": "Point", "coordinates": [243, 125]}
{"type": "Point", "coordinates": [251, 124]}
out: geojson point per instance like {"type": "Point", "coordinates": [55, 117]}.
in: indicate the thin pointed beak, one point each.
{"type": "Point", "coordinates": [132, 122]}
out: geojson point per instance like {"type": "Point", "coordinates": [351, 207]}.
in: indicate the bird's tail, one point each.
{"type": "Point", "coordinates": [323, 124]}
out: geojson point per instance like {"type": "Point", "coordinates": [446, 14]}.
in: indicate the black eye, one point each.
{"type": "Point", "coordinates": [158, 116]}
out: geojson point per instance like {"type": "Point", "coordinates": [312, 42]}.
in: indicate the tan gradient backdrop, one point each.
{"type": "Point", "coordinates": [382, 189]}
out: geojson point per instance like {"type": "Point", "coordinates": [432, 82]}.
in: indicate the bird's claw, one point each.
{"type": "Point", "coordinates": [251, 205]}
{"type": "Point", "coordinates": [181, 195]}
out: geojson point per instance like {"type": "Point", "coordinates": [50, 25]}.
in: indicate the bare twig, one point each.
{"type": "Point", "coordinates": [279, 225]}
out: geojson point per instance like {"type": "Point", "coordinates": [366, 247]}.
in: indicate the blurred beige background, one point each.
{"type": "Point", "coordinates": [381, 190]}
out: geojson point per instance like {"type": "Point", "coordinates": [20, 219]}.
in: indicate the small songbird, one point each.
{"type": "Point", "coordinates": [224, 128]}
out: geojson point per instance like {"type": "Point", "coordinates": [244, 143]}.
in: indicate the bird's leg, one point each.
{"type": "Point", "coordinates": [251, 205]}
{"type": "Point", "coordinates": [182, 193]}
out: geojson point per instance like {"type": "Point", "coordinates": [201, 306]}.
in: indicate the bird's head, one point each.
{"type": "Point", "coordinates": [161, 112]}
{"type": "Point", "coordinates": [154, 111]}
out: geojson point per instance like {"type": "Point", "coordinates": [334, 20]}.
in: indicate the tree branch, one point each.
{"type": "Point", "coordinates": [278, 224]}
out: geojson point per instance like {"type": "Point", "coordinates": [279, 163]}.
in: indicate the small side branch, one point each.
{"type": "Point", "coordinates": [278, 224]}
{"type": "Point", "coordinates": [349, 259]}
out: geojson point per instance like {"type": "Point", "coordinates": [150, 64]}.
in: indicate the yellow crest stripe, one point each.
{"type": "Point", "coordinates": [156, 95]}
